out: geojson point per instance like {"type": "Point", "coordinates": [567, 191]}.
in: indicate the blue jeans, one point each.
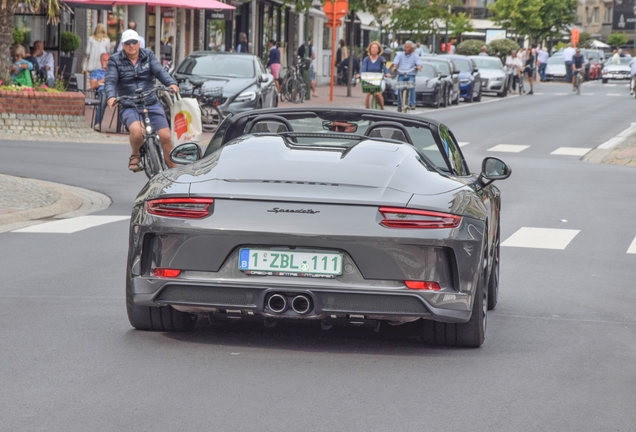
{"type": "Point", "coordinates": [568, 71]}
{"type": "Point", "coordinates": [409, 78]}
{"type": "Point", "coordinates": [542, 67]}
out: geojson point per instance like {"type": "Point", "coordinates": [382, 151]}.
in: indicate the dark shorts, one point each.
{"type": "Point", "coordinates": [530, 72]}
{"type": "Point", "coordinates": [155, 113]}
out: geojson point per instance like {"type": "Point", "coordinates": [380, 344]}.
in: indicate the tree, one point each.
{"type": "Point", "coordinates": [502, 48]}
{"type": "Point", "coordinates": [470, 47]}
{"type": "Point", "coordinates": [459, 24]}
{"type": "Point", "coordinates": [539, 19]}
{"type": "Point", "coordinates": [7, 10]}
{"type": "Point", "coordinates": [617, 39]}
{"type": "Point", "coordinates": [417, 16]}
{"type": "Point", "coordinates": [585, 40]}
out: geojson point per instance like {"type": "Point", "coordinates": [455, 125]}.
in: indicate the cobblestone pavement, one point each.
{"type": "Point", "coordinates": [19, 194]}
{"type": "Point", "coordinates": [623, 155]}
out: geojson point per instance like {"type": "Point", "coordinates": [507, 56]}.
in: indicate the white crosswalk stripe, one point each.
{"type": "Point", "coordinates": [609, 85]}
{"type": "Point", "coordinates": [614, 94]}
{"type": "Point", "coordinates": [508, 148]}
{"type": "Point", "coordinates": [632, 247]}
{"type": "Point", "coordinates": [68, 226]}
{"type": "Point", "coordinates": [541, 238]}
{"type": "Point", "coordinates": [561, 94]}
{"type": "Point", "coordinates": [463, 143]}
{"type": "Point", "coordinates": [571, 151]}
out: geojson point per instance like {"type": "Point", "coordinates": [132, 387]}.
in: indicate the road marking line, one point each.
{"type": "Point", "coordinates": [571, 151]}
{"type": "Point", "coordinates": [609, 85]}
{"type": "Point", "coordinates": [72, 225]}
{"type": "Point", "coordinates": [632, 247]}
{"type": "Point", "coordinates": [614, 94]}
{"type": "Point", "coordinates": [587, 94]}
{"type": "Point", "coordinates": [561, 94]}
{"type": "Point", "coordinates": [508, 148]}
{"type": "Point", "coordinates": [463, 143]}
{"type": "Point", "coordinates": [541, 238]}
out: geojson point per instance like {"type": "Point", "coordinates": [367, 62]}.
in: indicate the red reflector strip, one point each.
{"type": "Point", "coordinates": [165, 272]}
{"type": "Point", "coordinates": [422, 285]}
{"type": "Point", "coordinates": [411, 218]}
{"type": "Point", "coordinates": [188, 208]}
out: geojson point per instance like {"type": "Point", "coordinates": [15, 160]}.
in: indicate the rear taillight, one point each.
{"type": "Point", "coordinates": [422, 285]}
{"type": "Point", "coordinates": [410, 218]}
{"type": "Point", "coordinates": [188, 208]}
{"type": "Point", "coordinates": [166, 272]}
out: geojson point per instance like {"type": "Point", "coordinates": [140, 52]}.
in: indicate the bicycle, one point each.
{"type": "Point", "coordinates": [405, 87]}
{"type": "Point", "coordinates": [209, 101]}
{"type": "Point", "coordinates": [151, 158]}
{"type": "Point", "coordinates": [372, 83]}
{"type": "Point", "coordinates": [577, 81]}
{"type": "Point", "coordinates": [293, 88]}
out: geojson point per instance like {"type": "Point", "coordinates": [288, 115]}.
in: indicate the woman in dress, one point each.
{"type": "Point", "coordinates": [274, 62]}
{"type": "Point", "coordinates": [375, 63]}
{"type": "Point", "coordinates": [98, 44]}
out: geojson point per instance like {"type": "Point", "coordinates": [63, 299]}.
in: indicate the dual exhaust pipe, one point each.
{"type": "Point", "coordinates": [277, 303]}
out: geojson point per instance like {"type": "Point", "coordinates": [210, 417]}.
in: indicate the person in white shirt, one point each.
{"type": "Point", "coordinates": [513, 67]}
{"type": "Point", "coordinates": [133, 26]}
{"type": "Point", "coordinates": [568, 53]}
{"type": "Point", "coordinates": [542, 58]}
{"type": "Point", "coordinates": [484, 51]}
{"type": "Point", "coordinates": [46, 62]}
{"type": "Point", "coordinates": [632, 65]}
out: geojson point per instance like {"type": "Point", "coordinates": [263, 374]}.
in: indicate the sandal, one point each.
{"type": "Point", "coordinates": [134, 163]}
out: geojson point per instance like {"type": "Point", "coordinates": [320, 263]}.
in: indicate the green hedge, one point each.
{"type": "Point", "coordinates": [470, 47]}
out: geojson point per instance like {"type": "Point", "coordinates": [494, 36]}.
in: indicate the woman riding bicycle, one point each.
{"type": "Point", "coordinates": [374, 63]}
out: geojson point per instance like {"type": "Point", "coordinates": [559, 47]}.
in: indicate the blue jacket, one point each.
{"type": "Point", "coordinates": [122, 78]}
{"type": "Point", "coordinates": [378, 66]}
{"type": "Point", "coordinates": [274, 56]}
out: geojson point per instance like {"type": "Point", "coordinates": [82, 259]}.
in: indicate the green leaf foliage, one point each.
{"type": "Point", "coordinates": [18, 36]}
{"type": "Point", "coordinates": [459, 24]}
{"type": "Point", "coordinates": [617, 39]}
{"type": "Point", "coordinates": [69, 41]}
{"type": "Point", "coordinates": [417, 16]}
{"type": "Point", "coordinates": [538, 19]}
{"type": "Point", "coordinates": [502, 47]}
{"type": "Point", "coordinates": [470, 47]}
{"type": "Point", "coordinates": [585, 40]}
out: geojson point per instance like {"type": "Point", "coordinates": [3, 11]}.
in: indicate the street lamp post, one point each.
{"type": "Point", "coordinates": [634, 49]}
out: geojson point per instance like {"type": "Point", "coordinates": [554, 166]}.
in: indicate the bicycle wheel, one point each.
{"type": "Point", "coordinates": [151, 157]}
{"type": "Point", "coordinates": [578, 84]}
{"type": "Point", "coordinates": [405, 100]}
{"type": "Point", "coordinates": [285, 90]}
{"type": "Point", "coordinates": [374, 101]}
{"type": "Point", "coordinates": [211, 117]}
{"type": "Point", "coordinates": [298, 91]}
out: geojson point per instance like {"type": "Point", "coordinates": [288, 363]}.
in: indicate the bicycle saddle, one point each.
{"type": "Point", "coordinates": [197, 82]}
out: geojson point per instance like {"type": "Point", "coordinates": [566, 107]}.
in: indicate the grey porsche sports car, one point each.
{"type": "Point", "coordinates": [343, 217]}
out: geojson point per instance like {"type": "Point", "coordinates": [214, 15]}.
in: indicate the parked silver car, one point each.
{"type": "Point", "coordinates": [555, 70]}
{"type": "Point", "coordinates": [616, 69]}
{"type": "Point", "coordinates": [493, 75]}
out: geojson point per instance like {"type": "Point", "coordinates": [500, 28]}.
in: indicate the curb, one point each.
{"type": "Point", "coordinates": [73, 202]}
{"type": "Point", "coordinates": [89, 137]}
{"type": "Point", "coordinates": [603, 150]}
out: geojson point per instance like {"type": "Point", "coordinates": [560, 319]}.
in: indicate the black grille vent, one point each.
{"type": "Point", "coordinates": [211, 296]}
{"type": "Point", "coordinates": [372, 303]}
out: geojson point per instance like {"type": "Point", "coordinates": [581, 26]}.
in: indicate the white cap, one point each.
{"type": "Point", "coordinates": [129, 35]}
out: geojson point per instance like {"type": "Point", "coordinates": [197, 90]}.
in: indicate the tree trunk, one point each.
{"type": "Point", "coordinates": [351, 45]}
{"type": "Point", "coordinates": [6, 39]}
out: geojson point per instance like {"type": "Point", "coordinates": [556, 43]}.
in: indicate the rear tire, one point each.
{"type": "Point", "coordinates": [478, 97]}
{"type": "Point", "coordinates": [467, 335]}
{"type": "Point", "coordinates": [163, 318]}
{"type": "Point", "coordinates": [152, 161]}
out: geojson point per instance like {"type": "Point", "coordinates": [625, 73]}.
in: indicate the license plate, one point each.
{"type": "Point", "coordinates": [290, 262]}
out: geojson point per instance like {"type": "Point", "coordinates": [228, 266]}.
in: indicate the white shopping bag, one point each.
{"type": "Point", "coordinates": [186, 121]}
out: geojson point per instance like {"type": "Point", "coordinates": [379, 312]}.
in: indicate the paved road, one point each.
{"type": "Point", "coordinates": [559, 353]}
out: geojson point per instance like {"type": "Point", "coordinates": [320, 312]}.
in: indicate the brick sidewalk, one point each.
{"type": "Point", "coordinates": [340, 98]}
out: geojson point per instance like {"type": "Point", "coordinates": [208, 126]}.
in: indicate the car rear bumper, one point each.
{"type": "Point", "coordinates": [421, 98]}
{"type": "Point", "coordinates": [492, 86]}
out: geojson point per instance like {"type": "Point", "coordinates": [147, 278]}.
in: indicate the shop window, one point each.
{"type": "Point", "coordinates": [115, 23]}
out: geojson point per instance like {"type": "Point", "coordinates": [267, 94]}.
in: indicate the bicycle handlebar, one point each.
{"type": "Point", "coordinates": [141, 96]}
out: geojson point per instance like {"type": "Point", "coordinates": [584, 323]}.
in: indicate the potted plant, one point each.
{"type": "Point", "coordinates": [69, 43]}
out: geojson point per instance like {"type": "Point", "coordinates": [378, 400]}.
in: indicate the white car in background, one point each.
{"type": "Point", "coordinates": [555, 70]}
{"type": "Point", "coordinates": [493, 75]}
{"type": "Point", "coordinates": [616, 69]}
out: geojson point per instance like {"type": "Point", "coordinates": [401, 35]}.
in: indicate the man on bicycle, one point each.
{"type": "Point", "coordinates": [632, 65]}
{"type": "Point", "coordinates": [578, 63]}
{"type": "Point", "coordinates": [409, 63]}
{"type": "Point", "coordinates": [135, 68]}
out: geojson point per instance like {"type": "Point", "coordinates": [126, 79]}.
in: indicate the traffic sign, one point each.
{"type": "Point", "coordinates": [336, 9]}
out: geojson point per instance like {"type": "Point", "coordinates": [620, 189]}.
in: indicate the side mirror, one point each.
{"type": "Point", "coordinates": [493, 169]}
{"type": "Point", "coordinates": [265, 78]}
{"type": "Point", "coordinates": [185, 154]}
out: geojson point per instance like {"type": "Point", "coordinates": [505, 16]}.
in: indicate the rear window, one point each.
{"type": "Point", "coordinates": [462, 65]}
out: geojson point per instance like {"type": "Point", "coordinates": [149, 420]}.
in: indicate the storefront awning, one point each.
{"type": "Point", "coordinates": [191, 4]}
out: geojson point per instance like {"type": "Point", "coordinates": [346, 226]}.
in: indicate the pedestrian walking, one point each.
{"type": "Point", "coordinates": [542, 59]}
{"type": "Point", "coordinates": [568, 53]}
{"type": "Point", "coordinates": [312, 55]}
{"type": "Point", "coordinates": [521, 56]}
{"type": "Point", "coordinates": [273, 63]}
{"type": "Point", "coordinates": [98, 44]}
{"type": "Point", "coordinates": [529, 69]}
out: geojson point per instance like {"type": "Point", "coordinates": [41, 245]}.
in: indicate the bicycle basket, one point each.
{"type": "Point", "coordinates": [371, 82]}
